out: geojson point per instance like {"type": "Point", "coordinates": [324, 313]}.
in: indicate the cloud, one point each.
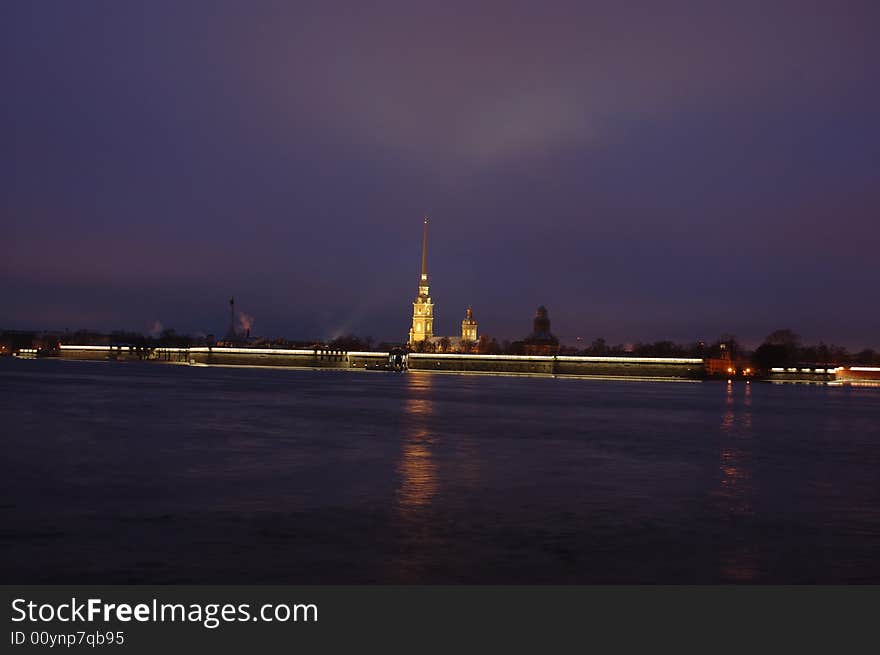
{"type": "Point", "coordinates": [464, 83]}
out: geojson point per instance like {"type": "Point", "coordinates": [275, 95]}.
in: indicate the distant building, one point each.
{"type": "Point", "coordinates": [469, 327]}
{"type": "Point", "coordinates": [14, 342]}
{"type": "Point", "coordinates": [727, 364]}
{"type": "Point", "coordinates": [423, 309]}
{"type": "Point", "coordinates": [541, 326]}
{"type": "Point", "coordinates": [421, 334]}
{"type": "Point", "coordinates": [232, 335]}
{"type": "Point", "coordinates": [541, 341]}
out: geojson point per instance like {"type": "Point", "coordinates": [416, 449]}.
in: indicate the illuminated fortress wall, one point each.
{"type": "Point", "coordinates": [643, 367]}
{"type": "Point", "coordinates": [449, 362]}
{"type": "Point", "coordinates": [269, 357]}
{"type": "Point", "coordinates": [315, 358]}
{"type": "Point", "coordinates": [648, 367]}
{"type": "Point", "coordinates": [338, 359]}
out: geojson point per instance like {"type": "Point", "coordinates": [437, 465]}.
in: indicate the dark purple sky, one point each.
{"type": "Point", "coordinates": [645, 170]}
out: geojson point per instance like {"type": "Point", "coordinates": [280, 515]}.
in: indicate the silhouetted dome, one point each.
{"type": "Point", "coordinates": [541, 327]}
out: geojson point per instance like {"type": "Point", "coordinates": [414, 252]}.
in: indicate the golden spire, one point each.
{"type": "Point", "coordinates": [425, 250]}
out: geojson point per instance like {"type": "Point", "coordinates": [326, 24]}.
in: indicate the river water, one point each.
{"type": "Point", "coordinates": [150, 473]}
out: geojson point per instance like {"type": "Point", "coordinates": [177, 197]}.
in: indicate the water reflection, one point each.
{"type": "Point", "coordinates": [417, 475]}
{"type": "Point", "coordinates": [416, 466]}
{"type": "Point", "coordinates": [735, 490]}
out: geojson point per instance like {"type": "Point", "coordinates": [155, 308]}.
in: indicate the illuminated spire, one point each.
{"type": "Point", "coordinates": [423, 309]}
{"type": "Point", "coordinates": [425, 251]}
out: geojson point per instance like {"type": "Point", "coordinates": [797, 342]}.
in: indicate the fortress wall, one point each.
{"type": "Point", "coordinates": [484, 364]}
{"type": "Point", "coordinates": [70, 352]}
{"type": "Point", "coordinates": [859, 373]}
{"type": "Point", "coordinates": [230, 356]}
{"type": "Point", "coordinates": [645, 369]}
{"type": "Point", "coordinates": [450, 362]}
{"type": "Point", "coordinates": [801, 375]}
{"type": "Point", "coordinates": [268, 357]}
{"type": "Point", "coordinates": [98, 353]}
{"type": "Point", "coordinates": [548, 365]}
{"type": "Point", "coordinates": [285, 357]}
{"type": "Point", "coordinates": [362, 359]}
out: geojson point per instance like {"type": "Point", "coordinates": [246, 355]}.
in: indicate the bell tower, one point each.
{"type": "Point", "coordinates": [423, 309]}
{"type": "Point", "coordinates": [469, 326]}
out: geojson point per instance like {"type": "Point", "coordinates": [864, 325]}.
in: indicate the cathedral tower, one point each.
{"type": "Point", "coordinates": [423, 309]}
{"type": "Point", "coordinates": [469, 326]}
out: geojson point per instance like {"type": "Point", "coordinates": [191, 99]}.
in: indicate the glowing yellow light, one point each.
{"type": "Point", "coordinates": [85, 347]}
{"type": "Point", "coordinates": [254, 351]}
{"type": "Point", "coordinates": [563, 358]}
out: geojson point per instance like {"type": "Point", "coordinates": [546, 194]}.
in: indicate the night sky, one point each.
{"type": "Point", "coordinates": [645, 170]}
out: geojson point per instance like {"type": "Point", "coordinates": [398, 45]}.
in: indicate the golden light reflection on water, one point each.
{"type": "Point", "coordinates": [418, 473]}
{"type": "Point", "coordinates": [417, 479]}
{"type": "Point", "coordinates": [416, 466]}
{"type": "Point", "coordinates": [735, 484]}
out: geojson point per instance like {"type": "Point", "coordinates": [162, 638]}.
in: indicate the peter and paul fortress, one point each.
{"type": "Point", "coordinates": [423, 309]}
{"type": "Point", "coordinates": [422, 329]}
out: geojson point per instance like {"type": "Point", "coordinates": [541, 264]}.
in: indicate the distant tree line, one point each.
{"type": "Point", "coordinates": [780, 348]}
{"type": "Point", "coordinates": [784, 348]}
